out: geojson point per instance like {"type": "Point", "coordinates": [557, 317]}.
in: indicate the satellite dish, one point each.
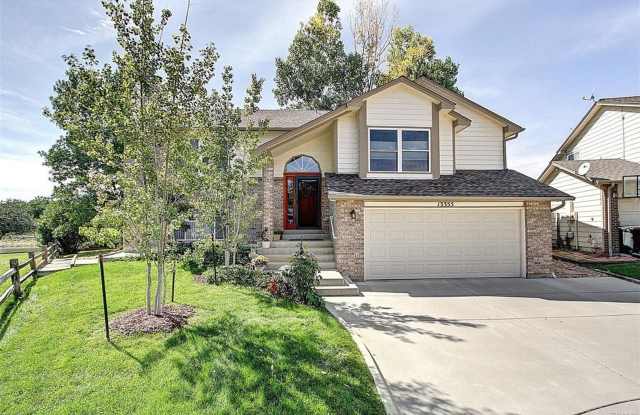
{"type": "Point", "coordinates": [584, 168]}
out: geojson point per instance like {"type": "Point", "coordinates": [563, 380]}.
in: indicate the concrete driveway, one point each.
{"type": "Point", "coordinates": [501, 346]}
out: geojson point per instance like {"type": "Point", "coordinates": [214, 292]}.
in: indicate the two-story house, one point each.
{"type": "Point", "coordinates": [599, 164]}
{"type": "Point", "coordinates": [409, 180]}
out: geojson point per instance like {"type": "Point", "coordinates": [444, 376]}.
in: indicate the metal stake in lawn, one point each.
{"type": "Point", "coordinates": [104, 297]}
{"type": "Point", "coordinates": [173, 281]}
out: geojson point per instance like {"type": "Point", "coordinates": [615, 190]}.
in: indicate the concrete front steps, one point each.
{"type": "Point", "coordinates": [332, 283]}
{"type": "Point", "coordinates": [305, 235]}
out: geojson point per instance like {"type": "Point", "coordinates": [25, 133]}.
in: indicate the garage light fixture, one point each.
{"type": "Point", "coordinates": [353, 214]}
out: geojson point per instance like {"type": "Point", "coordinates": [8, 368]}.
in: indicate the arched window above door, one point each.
{"type": "Point", "coordinates": [302, 164]}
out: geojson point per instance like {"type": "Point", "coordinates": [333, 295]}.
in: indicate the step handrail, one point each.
{"type": "Point", "coordinates": [333, 231]}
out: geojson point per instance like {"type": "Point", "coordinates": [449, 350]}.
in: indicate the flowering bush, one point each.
{"type": "Point", "coordinates": [302, 275]}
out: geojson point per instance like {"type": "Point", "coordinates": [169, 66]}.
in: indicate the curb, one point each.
{"type": "Point", "coordinates": [379, 380]}
{"type": "Point", "coordinates": [621, 277]}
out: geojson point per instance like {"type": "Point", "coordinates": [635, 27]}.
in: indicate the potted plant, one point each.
{"type": "Point", "coordinates": [260, 262]}
{"type": "Point", "coordinates": [277, 235]}
{"type": "Point", "coordinates": [266, 243]}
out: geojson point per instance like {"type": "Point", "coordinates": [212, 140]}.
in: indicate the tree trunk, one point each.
{"type": "Point", "coordinates": [148, 287]}
{"type": "Point", "coordinates": [158, 309]}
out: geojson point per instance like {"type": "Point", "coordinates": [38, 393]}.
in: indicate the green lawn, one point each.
{"type": "Point", "coordinates": [4, 266]}
{"type": "Point", "coordinates": [628, 270]}
{"type": "Point", "coordinates": [243, 353]}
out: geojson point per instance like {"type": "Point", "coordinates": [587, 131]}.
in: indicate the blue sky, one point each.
{"type": "Point", "coordinates": [530, 61]}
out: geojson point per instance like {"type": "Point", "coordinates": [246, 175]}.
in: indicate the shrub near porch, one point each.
{"type": "Point", "coordinates": [244, 352]}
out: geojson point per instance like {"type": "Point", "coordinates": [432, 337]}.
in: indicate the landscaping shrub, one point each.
{"type": "Point", "coordinates": [239, 275]}
{"type": "Point", "coordinates": [303, 274]}
{"type": "Point", "coordinates": [203, 254]}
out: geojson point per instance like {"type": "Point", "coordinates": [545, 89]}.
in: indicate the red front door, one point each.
{"type": "Point", "coordinates": [301, 201]}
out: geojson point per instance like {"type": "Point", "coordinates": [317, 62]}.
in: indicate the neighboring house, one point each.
{"type": "Point", "coordinates": [406, 181]}
{"type": "Point", "coordinates": [599, 164]}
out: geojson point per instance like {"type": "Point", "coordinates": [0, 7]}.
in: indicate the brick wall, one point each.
{"type": "Point", "coordinates": [324, 207]}
{"type": "Point", "coordinates": [277, 213]}
{"type": "Point", "coordinates": [538, 238]}
{"type": "Point", "coordinates": [349, 243]}
{"type": "Point", "coordinates": [615, 222]}
{"type": "Point", "coordinates": [267, 200]}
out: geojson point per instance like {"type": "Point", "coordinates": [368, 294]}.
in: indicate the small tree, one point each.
{"type": "Point", "coordinates": [15, 217]}
{"type": "Point", "coordinates": [229, 162]}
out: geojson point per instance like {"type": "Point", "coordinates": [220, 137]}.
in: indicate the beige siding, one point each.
{"type": "Point", "coordinates": [629, 211]}
{"type": "Point", "coordinates": [604, 137]}
{"type": "Point", "coordinates": [480, 145]}
{"type": "Point", "coordinates": [399, 106]}
{"type": "Point", "coordinates": [317, 144]}
{"type": "Point", "coordinates": [347, 144]}
{"type": "Point", "coordinates": [588, 206]}
{"type": "Point", "coordinates": [446, 144]}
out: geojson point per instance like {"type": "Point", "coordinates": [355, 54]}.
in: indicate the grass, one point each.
{"type": "Point", "coordinates": [628, 270]}
{"type": "Point", "coordinates": [243, 353]}
{"type": "Point", "coordinates": [4, 266]}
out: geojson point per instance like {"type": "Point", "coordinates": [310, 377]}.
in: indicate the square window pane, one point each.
{"type": "Point", "coordinates": [383, 140]}
{"type": "Point", "coordinates": [630, 186]}
{"type": "Point", "coordinates": [384, 161]}
{"type": "Point", "coordinates": [415, 140]}
{"type": "Point", "coordinates": [415, 161]}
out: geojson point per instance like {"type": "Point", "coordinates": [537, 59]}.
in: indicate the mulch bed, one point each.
{"type": "Point", "coordinates": [138, 321]}
{"type": "Point", "coordinates": [565, 269]}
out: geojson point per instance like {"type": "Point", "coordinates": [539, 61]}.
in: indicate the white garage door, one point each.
{"type": "Point", "coordinates": [442, 243]}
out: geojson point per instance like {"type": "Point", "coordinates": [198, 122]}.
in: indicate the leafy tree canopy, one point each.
{"type": "Point", "coordinates": [318, 73]}
{"type": "Point", "coordinates": [15, 217]}
{"type": "Point", "coordinates": [62, 218]}
{"type": "Point", "coordinates": [413, 55]}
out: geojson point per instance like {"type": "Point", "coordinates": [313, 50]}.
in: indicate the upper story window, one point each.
{"type": "Point", "coordinates": [572, 156]}
{"type": "Point", "coordinates": [399, 150]}
{"type": "Point", "coordinates": [631, 186]}
{"type": "Point", "coordinates": [302, 164]}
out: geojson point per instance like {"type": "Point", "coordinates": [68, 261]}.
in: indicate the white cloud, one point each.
{"type": "Point", "coordinates": [15, 94]}
{"type": "Point", "coordinates": [74, 31]}
{"type": "Point", "coordinates": [24, 178]}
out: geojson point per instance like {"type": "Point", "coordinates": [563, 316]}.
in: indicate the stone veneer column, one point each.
{"type": "Point", "coordinates": [615, 222]}
{"type": "Point", "coordinates": [349, 243]}
{"type": "Point", "coordinates": [538, 238]}
{"type": "Point", "coordinates": [267, 200]}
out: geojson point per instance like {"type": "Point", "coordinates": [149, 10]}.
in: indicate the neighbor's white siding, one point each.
{"type": "Point", "coordinates": [587, 205]}
{"type": "Point", "coordinates": [604, 138]}
{"type": "Point", "coordinates": [399, 106]}
{"type": "Point", "coordinates": [480, 145]}
{"type": "Point", "coordinates": [446, 144]}
{"type": "Point", "coordinates": [629, 211]}
{"type": "Point", "coordinates": [347, 144]}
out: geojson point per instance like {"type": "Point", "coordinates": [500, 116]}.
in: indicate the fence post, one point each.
{"type": "Point", "coordinates": [45, 254]}
{"type": "Point", "coordinates": [104, 298]}
{"type": "Point", "coordinates": [15, 278]}
{"type": "Point", "coordinates": [32, 265]}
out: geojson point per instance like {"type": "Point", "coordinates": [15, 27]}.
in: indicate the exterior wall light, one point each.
{"type": "Point", "coordinates": [353, 214]}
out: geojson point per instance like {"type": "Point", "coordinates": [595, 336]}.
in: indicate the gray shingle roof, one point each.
{"type": "Point", "coordinates": [464, 183]}
{"type": "Point", "coordinates": [621, 100]}
{"type": "Point", "coordinates": [603, 169]}
{"type": "Point", "coordinates": [284, 119]}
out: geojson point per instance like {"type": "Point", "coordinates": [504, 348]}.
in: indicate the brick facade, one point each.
{"type": "Point", "coordinates": [538, 238]}
{"type": "Point", "coordinates": [277, 212]}
{"type": "Point", "coordinates": [615, 222]}
{"type": "Point", "coordinates": [267, 201]}
{"type": "Point", "coordinates": [349, 243]}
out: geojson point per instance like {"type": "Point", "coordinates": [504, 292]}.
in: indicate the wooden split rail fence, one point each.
{"type": "Point", "coordinates": [47, 255]}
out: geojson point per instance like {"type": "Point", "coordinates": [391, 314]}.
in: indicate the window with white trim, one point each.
{"type": "Point", "coordinates": [631, 186]}
{"type": "Point", "coordinates": [399, 150]}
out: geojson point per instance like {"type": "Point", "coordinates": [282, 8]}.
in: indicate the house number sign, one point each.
{"type": "Point", "coordinates": [446, 203]}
